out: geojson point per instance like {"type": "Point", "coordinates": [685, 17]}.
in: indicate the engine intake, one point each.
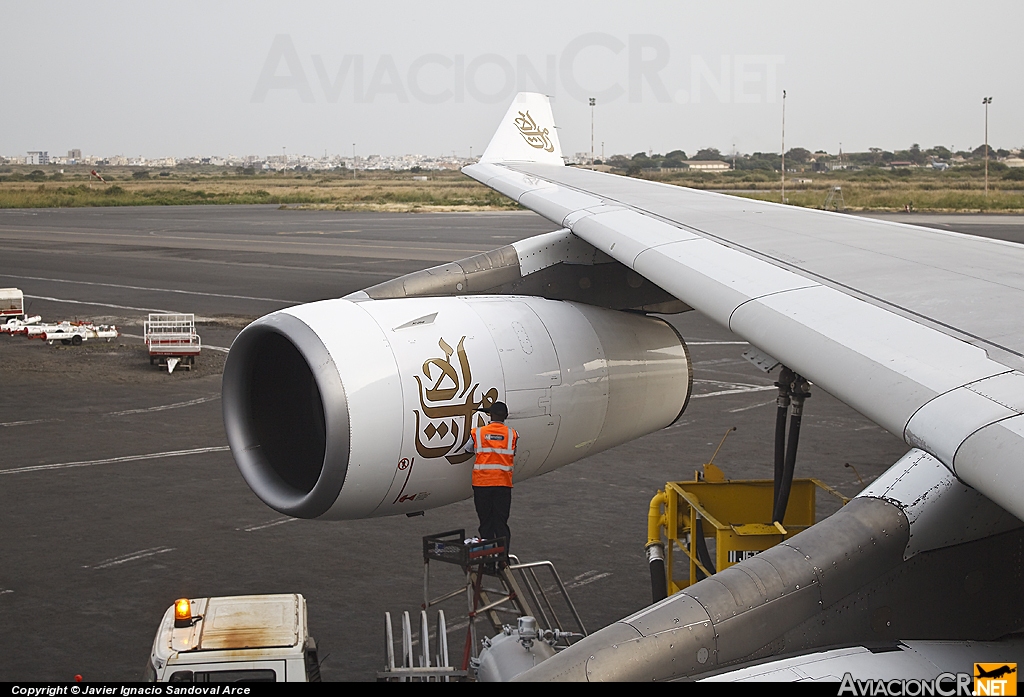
{"type": "Point", "coordinates": [284, 418]}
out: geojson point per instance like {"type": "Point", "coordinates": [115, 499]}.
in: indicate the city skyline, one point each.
{"type": "Point", "coordinates": [416, 160]}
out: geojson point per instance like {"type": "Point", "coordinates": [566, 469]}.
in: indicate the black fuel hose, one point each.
{"type": "Point", "coordinates": [784, 384]}
{"type": "Point", "coordinates": [659, 580]}
{"type": "Point", "coordinates": [702, 549]}
{"type": "Point", "coordinates": [782, 501]}
{"type": "Point", "coordinates": [800, 393]}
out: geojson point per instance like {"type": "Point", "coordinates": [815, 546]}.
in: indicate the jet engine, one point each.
{"type": "Point", "coordinates": [340, 409]}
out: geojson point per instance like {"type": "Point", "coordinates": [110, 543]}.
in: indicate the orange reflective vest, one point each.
{"type": "Point", "coordinates": [495, 447]}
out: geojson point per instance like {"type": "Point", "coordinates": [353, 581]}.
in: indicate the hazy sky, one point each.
{"type": "Point", "coordinates": [187, 78]}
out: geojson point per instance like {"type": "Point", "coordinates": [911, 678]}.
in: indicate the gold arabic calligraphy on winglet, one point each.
{"type": "Point", "coordinates": [532, 133]}
{"type": "Point", "coordinates": [436, 402]}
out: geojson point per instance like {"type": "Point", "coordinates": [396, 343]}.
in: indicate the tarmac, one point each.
{"type": "Point", "coordinates": [118, 493]}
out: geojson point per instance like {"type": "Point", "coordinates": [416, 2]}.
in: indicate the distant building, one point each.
{"type": "Point", "coordinates": [707, 165]}
{"type": "Point", "coordinates": [74, 156]}
{"type": "Point", "coordinates": [1014, 162]}
{"type": "Point", "coordinates": [37, 157]}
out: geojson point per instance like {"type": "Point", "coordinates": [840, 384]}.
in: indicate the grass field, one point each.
{"type": "Point", "coordinates": [447, 191]}
{"type": "Point", "coordinates": [869, 198]}
{"type": "Point", "coordinates": [923, 190]}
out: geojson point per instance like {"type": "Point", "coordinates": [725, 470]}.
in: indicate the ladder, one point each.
{"type": "Point", "coordinates": [498, 589]}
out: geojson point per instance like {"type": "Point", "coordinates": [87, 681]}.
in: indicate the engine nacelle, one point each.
{"type": "Point", "coordinates": [341, 409]}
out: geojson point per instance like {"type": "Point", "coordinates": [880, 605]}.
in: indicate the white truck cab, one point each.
{"type": "Point", "coordinates": [245, 638]}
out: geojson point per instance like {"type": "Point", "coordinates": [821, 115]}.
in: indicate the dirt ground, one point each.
{"type": "Point", "coordinates": [121, 360]}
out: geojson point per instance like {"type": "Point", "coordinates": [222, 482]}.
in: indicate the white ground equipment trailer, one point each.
{"type": "Point", "coordinates": [12, 304]}
{"type": "Point", "coordinates": [245, 638]}
{"type": "Point", "coordinates": [15, 326]}
{"type": "Point", "coordinates": [69, 333]}
{"type": "Point", "coordinates": [172, 340]}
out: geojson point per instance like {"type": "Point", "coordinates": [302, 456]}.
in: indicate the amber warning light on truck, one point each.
{"type": "Point", "coordinates": [183, 613]}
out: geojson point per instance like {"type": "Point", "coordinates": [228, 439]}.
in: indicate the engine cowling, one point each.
{"type": "Point", "coordinates": [341, 409]}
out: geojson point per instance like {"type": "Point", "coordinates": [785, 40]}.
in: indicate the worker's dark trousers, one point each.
{"type": "Point", "coordinates": [493, 504]}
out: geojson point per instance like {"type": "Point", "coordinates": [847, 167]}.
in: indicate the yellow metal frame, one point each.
{"type": "Point", "coordinates": [733, 515]}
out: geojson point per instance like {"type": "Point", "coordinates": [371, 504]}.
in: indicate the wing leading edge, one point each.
{"type": "Point", "coordinates": [919, 330]}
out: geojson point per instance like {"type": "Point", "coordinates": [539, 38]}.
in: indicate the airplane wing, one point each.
{"type": "Point", "coordinates": [358, 407]}
{"type": "Point", "coordinates": [920, 330]}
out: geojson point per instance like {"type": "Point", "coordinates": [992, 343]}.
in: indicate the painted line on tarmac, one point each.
{"type": "Point", "coordinates": [752, 406]}
{"type": "Point", "coordinates": [114, 460]}
{"type": "Point", "coordinates": [269, 524]}
{"type": "Point", "coordinates": [740, 389]}
{"type": "Point", "coordinates": [165, 407]}
{"type": "Point", "coordinates": [155, 290]}
{"type": "Point", "coordinates": [730, 388]}
{"type": "Point", "coordinates": [585, 578]}
{"type": "Point", "coordinates": [83, 302]}
{"type": "Point", "coordinates": [27, 423]}
{"type": "Point", "coordinates": [720, 361]}
{"type": "Point", "coordinates": [131, 556]}
{"type": "Point", "coordinates": [722, 383]}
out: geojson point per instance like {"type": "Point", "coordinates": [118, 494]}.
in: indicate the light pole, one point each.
{"type": "Point", "coordinates": [783, 146]}
{"type": "Point", "coordinates": [986, 101]}
{"type": "Point", "coordinates": [593, 103]}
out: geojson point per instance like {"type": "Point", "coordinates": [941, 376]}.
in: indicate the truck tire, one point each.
{"type": "Point", "coordinates": [76, 340]}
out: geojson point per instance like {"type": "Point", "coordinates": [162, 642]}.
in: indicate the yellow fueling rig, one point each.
{"type": "Point", "coordinates": [736, 516]}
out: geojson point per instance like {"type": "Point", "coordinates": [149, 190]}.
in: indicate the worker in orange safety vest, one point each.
{"type": "Point", "coordinates": [495, 449]}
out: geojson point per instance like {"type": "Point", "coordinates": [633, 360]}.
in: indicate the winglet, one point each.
{"type": "Point", "coordinates": [526, 134]}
